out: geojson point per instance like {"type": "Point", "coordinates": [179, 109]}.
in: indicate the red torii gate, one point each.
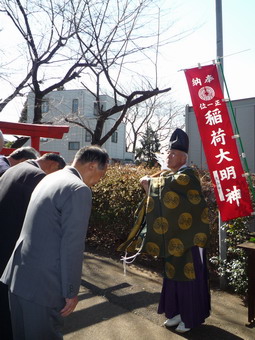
{"type": "Point", "coordinates": [35, 131]}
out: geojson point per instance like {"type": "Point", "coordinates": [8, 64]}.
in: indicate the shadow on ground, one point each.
{"type": "Point", "coordinates": [93, 314]}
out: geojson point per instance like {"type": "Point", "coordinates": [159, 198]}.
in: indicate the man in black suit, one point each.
{"type": "Point", "coordinates": [16, 187]}
{"type": "Point", "coordinates": [17, 156]}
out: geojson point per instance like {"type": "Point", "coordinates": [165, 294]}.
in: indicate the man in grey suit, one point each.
{"type": "Point", "coordinates": [16, 187]}
{"type": "Point", "coordinates": [44, 271]}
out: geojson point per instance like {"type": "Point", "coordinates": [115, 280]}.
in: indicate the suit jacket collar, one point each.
{"type": "Point", "coordinates": [33, 162]}
{"type": "Point", "coordinates": [74, 171]}
{"type": "Point", "coordinates": [5, 159]}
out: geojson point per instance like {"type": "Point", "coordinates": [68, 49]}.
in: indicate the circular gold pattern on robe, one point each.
{"type": "Point", "coordinates": [170, 270]}
{"type": "Point", "coordinates": [189, 271]}
{"type": "Point", "coordinates": [194, 196]}
{"type": "Point", "coordinates": [200, 240]}
{"type": "Point", "coordinates": [205, 216]}
{"type": "Point", "coordinates": [150, 204]}
{"type": "Point", "coordinates": [185, 221]}
{"type": "Point", "coordinates": [171, 200]}
{"type": "Point", "coordinates": [160, 225]}
{"type": "Point", "coordinates": [158, 182]}
{"type": "Point", "coordinates": [182, 179]}
{"type": "Point", "coordinates": [152, 248]}
{"type": "Point", "coordinates": [175, 247]}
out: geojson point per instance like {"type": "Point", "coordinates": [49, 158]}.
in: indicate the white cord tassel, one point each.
{"type": "Point", "coordinates": [130, 259]}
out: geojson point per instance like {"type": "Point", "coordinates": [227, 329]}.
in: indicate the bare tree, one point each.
{"type": "Point", "coordinates": [106, 42]}
{"type": "Point", "coordinates": [16, 91]}
{"type": "Point", "coordinates": [160, 112]}
{"type": "Point", "coordinates": [47, 29]}
{"type": "Point", "coordinates": [115, 39]}
{"type": "Point", "coordinates": [5, 67]}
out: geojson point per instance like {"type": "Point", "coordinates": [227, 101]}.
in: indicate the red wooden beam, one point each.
{"type": "Point", "coordinates": [34, 130]}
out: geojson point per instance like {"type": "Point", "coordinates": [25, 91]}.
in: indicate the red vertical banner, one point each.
{"type": "Point", "coordinates": [230, 185]}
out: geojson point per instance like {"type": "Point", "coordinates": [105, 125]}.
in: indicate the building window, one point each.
{"type": "Point", "coordinates": [88, 137]}
{"type": "Point", "coordinates": [75, 105]}
{"type": "Point", "coordinates": [96, 108]}
{"type": "Point", "coordinates": [115, 137]}
{"type": "Point", "coordinates": [43, 140]}
{"type": "Point", "coordinates": [45, 105]}
{"type": "Point", "coordinates": [73, 145]}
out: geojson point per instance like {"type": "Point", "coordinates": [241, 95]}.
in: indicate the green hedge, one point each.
{"type": "Point", "coordinates": [115, 199]}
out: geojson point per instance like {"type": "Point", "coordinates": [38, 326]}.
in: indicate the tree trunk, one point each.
{"type": "Point", "coordinates": [96, 138]}
{"type": "Point", "coordinates": [38, 109]}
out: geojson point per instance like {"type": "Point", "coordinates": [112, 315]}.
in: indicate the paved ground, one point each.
{"type": "Point", "coordinates": [117, 307]}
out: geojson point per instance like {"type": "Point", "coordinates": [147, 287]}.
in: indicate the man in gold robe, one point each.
{"type": "Point", "coordinates": [176, 228]}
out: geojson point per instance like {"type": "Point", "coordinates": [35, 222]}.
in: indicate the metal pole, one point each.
{"type": "Point", "coordinates": [219, 37]}
{"type": "Point", "coordinates": [219, 46]}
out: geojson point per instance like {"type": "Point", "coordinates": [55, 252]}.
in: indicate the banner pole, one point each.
{"type": "Point", "coordinates": [245, 163]}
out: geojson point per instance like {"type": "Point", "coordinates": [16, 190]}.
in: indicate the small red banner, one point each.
{"type": "Point", "coordinates": [230, 185]}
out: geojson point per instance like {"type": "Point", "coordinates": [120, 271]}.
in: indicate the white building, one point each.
{"type": "Point", "coordinates": [57, 105]}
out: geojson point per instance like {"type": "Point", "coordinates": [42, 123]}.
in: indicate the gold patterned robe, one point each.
{"type": "Point", "coordinates": [172, 219]}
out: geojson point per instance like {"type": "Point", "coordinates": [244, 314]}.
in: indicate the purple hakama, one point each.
{"type": "Point", "coordinates": [190, 299]}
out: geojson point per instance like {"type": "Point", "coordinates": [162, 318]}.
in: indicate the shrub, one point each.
{"type": "Point", "coordinates": [235, 266]}
{"type": "Point", "coordinates": [115, 199]}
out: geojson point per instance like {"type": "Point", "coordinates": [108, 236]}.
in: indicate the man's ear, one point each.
{"type": "Point", "coordinates": [52, 166]}
{"type": "Point", "coordinates": [92, 165]}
